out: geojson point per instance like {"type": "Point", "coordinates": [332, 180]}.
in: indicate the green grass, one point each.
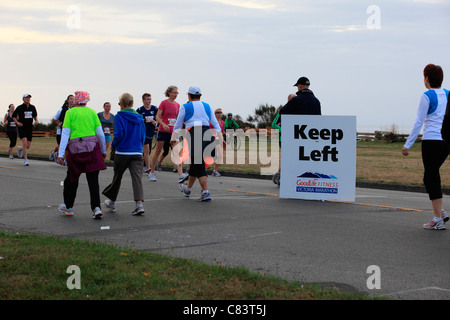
{"type": "Point", "coordinates": [380, 161]}
{"type": "Point", "coordinates": [35, 268]}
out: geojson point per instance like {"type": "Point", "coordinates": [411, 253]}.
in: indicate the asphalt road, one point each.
{"type": "Point", "coordinates": [246, 224]}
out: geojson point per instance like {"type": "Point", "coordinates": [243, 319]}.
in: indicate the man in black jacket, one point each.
{"type": "Point", "coordinates": [305, 102]}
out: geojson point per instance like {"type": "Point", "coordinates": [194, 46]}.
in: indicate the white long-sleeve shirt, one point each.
{"type": "Point", "coordinates": [430, 114]}
{"type": "Point", "coordinates": [194, 114]}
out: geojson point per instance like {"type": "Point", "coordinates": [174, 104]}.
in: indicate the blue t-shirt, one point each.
{"type": "Point", "coordinates": [148, 115]}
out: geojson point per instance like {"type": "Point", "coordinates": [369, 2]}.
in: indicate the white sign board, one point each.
{"type": "Point", "coordinates": [318, 157]}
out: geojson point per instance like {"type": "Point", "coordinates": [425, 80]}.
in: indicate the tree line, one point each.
{"type": "Point", "coordinates": [262, 117]}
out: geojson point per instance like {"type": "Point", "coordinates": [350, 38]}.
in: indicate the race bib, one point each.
{"type": "Point", "coordinates": [106, 130]}
{"type": "Point", "coordinates": [148, 119]}
{"type": "Point", "coordinates": [172, 122]}
{"type": "Point", "coordinates": [28, 114]}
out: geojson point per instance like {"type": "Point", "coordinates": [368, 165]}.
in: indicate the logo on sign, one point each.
{"type": "Point", "coordinates": [317, 183]}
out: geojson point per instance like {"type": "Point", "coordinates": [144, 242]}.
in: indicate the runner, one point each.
{"type": "Point", "coordinates": [220, 149]}
{"type": "Point", "coordinates": [230, 123]}
{"type": "Point", "coordinates": [58, 119]}
{"type": "Point", "coordinates": [166, 117]}
{"type": "Point", "coordinates": [11, 129]}
{"type": "Point", "coordinates": [148, 112]}
{"type": "Point", "coordinates": [197, 116]}
{"type": "Point", "coordinates": [23, 117]}
{"type": "Point", "coordinates": [107, 120]}
{"type": "Point", "coordinates": [276, 124]}
{"type": "Point", "coordinates": [435, 150]}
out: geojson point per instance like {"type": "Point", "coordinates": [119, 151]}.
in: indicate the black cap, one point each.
{"type": "Point", "coordinates": [302, 81]}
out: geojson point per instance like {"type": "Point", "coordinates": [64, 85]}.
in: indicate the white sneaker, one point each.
{"type": "Point", "coordinates": [110, 205]}
{"type": "Point", "coordinates": [67, 211]}
{"type": "Point", "coordinates": [444, 216]}
{"type": "Point", "coordinates": [435, 225]}
{"type": "Point", "coordinates": [152, 177]}
{"type": "Point", "coordinates": [183, 177]}
{"type": "Point", "coordinates": [205, 197]}
{"type": "Point", "coordinates": [52, 155]}
{"type": "Point", "coordinates": [97, 213]}
{"type": "Point", "coordinates": [184, 189]}
{"type": "Point", "coordinates": [25, 163]}
{"type": "Point", "coordinates": [19, 151]}
{"type": "Point", "coordinates": [216, 173]}
{"type": "Point", "coordinates": [138, 211]}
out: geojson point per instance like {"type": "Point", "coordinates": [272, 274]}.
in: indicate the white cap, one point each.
{"type": "Point", "coordinates": [195, 91]}
{"type": "Point", "coordinates": [26, 95]}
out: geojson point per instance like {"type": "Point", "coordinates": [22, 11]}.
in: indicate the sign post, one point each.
{"type": "Point", "coordinates": [318, 157]}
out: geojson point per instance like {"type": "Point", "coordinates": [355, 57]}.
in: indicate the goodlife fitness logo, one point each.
{"type": "Point", "coordinates": [317, 183]}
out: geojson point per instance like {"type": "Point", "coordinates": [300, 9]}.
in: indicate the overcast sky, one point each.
{"type": "Point", "coordinates": [363, 58]}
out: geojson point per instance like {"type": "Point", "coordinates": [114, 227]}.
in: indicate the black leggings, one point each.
{"type": "Point", "coordinates": [434, 153]}
{"type": "Point", "coordinates": [12, 135]}
{"type": "Point", "coordinates": [70, 190]}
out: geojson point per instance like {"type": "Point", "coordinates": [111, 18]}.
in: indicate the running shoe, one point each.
{"type": "Point", "coordinates": [152, 177]}
{"type": "Point", "coordinates": [67, 211]}
{"type": "Point", "coordinates": [52, 155]}
{"type": "Point", "coordinates": [205, 197]}
{"type": "Point", "coordinates": [110, 205]}
{"type": "Point", "coordinates": [444, 216]}
{"type": "Point", "coordinates": [11, 156]}
{"type": "Point", "coordinates": [216, 173]}
{"type": "Point", "coordinates": [184, 177]}
{"type": "Point", "coordinates": [97, 213]}
{"type": "Point", "coordinates": [159, 167]}
{"type": "Point", "coordinates": [174, 169]}
{"type": "Point", "coordinates": [26, 164]}
{"type": "Point", "coordinates": [435, 225]}
{"type": "Point", "coordinates": [138, 211]}
{"type": "Point", "coordinates": [19, 151]}
{"type": "Point", "coordinates": [147, 171]}
{"type": "Point", "coordinates": [184, 189]}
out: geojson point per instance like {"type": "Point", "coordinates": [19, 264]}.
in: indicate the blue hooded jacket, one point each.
{"type": "Point", "coordinates": [129, 132]}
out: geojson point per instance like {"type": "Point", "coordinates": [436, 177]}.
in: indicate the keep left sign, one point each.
{"type": "Point", "coordinates": [318, 157]}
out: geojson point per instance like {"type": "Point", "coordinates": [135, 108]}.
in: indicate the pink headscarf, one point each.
{"type": "Point", "coordinates": [81, 97]}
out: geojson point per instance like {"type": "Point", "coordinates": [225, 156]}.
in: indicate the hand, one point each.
{"type": "Point", "coordinates": [104, 156]}
{"type": "Point", "coordinates": [405, 151]}
{"type": "Point", "coordinates": [60, 161]}
{"type": "Point", "coordinates": [165, 126]}
{"type": "Point", "coordinates": [20, 124]}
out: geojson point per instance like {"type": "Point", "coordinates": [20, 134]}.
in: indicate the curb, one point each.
{"type": "Point", "coordinates": [359, 184]}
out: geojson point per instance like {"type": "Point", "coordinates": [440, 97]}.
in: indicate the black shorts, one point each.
{"type": "Point", "coordinates": [26, 132]}
{"type": "Point", "coordinates": [163, 136]}
{"type": "Point", "coordinates": [148, 141]}
{"type": "Point", "coordinates": [197, 168]}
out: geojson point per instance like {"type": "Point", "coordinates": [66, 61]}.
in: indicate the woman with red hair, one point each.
{"type": "Point", "coordinates": [435, 150]}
